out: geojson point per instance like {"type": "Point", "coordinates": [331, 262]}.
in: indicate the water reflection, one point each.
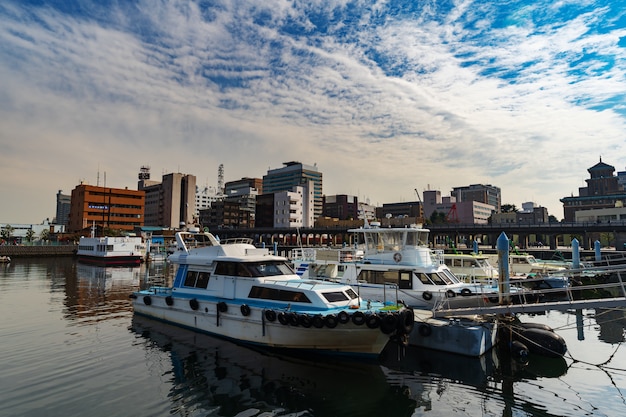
{"type": "Point", "coordinates": [213, 374]}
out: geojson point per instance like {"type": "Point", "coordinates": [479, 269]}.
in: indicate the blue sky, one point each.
{"type": "Point", "coordinates": [384, 96]}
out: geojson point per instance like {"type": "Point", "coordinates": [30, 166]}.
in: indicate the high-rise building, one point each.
{"type": "Point", "coordinates": [295, 174]}
{"type": "Point", "coordinates": [64, 205]}
{"type": "Point", "coordinates": [170, 203]}
{"type": "Point", "coordinates": [105, 208]}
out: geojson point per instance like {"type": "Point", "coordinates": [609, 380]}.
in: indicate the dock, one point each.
{"type": "Point", "coordinates": [614, 288]}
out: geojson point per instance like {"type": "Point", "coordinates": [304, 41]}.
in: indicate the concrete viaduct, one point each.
{"type": "Point", "coordinates": [550, 234]}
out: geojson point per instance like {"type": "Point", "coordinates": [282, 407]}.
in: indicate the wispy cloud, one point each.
{"type": "Point", "coordinates": [385, 96]}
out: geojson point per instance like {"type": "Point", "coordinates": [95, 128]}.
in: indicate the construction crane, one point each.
{"type": "Point", "coordinates": [421, 214]}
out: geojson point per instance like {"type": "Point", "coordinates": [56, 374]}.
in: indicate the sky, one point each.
{"type": "Point", "coordinates": [385, 97]}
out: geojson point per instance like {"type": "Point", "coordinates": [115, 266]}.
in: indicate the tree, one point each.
{"type": "Point", "coordinates": [508, 208]}
{"type": "Point", "coordinates": [29, 235]}
{"type": "Point", "coordinates": [437, 217]}
{"type": "Point", "coordinates": [7, 232]}
{"type": "Point", "coordinates": [44, 235]}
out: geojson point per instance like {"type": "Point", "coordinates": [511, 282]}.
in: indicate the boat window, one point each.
{"type": "Point", "coordinates": [417, 238]}
{"type": "Point", "coordinates": [378, 277]}
{"type": "Point", "coordinates": [450, 276]}
{"type": "Point", "coordinates": [267, 293]}
{"type": "Point", "coordinates": [334, 296]}
{"type": "Point", "coordinates": [443, 279]}
{"type": "Point", "coordinates": [268, 269]}
{"type": "Point", "coordinates": [405, 280]}
{"type": "Point", "coordinates": [351, 293]}
{"type": "Point", "coordinates": [197, 279]}
{"type": "Point", "coordinates": [226, 268]}
{"type": "Point", "coordinates": [424, 278]}
{"type": "Point", "coordinates": [436, 278]}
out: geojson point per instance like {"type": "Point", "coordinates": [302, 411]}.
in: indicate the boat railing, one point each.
{"type": "Point", "coordinates": [438, 256]}
{"type": "Point", "coordinates": [161, 290]}
{"type": "Point", "coordinates": [237, 240]}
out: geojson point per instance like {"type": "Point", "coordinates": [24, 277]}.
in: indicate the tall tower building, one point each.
{"type": "Point", "coordinates": [170, 203]}
{"type": "Point", "coordinates": [296, 174]}
{"type": "Point", "coordinates": [64, 203]}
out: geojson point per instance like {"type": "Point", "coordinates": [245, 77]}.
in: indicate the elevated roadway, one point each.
{"type": "Point", "coordinates": [550, 234]}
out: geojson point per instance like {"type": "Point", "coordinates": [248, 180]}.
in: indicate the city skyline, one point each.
{"type": "Point", "coordinates": [385, 97]}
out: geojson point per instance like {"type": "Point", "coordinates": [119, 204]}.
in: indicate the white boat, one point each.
{"type": "Point", "coordinates": [394, 264]}
{"type": "Point", "coordinates": [111, 250]}
{"type": "Point", "coordinates": [524, 264]}
{"type": "Point", "coordinates": [471, 267]}
{"type": "Point", "coordinates": [237, 291]}
{"type": "Point", "coordinates": [5, 259]}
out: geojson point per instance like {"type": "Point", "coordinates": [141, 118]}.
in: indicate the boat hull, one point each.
{"type": "Point", "coordinates": [249, 325]}
{"type": "Point", "coordinates": [463, 336]}
{"type": "Point", "coordinates": [111, 260]}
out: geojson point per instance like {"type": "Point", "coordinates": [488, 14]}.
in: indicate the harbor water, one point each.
{"type": "Point", "coordinates": [70, 346]}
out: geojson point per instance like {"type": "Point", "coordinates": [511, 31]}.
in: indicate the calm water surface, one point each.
{"type": "Point", "coordinates": [71, 347]}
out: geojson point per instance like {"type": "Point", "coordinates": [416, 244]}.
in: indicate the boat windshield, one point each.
{"type": "Point", "coordinates": [253, 269]}
{"type": "Point", "coordinates": [435, 278]}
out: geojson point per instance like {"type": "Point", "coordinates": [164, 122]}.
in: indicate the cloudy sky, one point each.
{"type": "Point", "coordinates": [384, 96]}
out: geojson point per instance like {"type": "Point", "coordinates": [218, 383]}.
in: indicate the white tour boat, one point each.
{"type": "Point", "coordinates": [234, 290]}
{"type": "Point", "coordinates": [471, 267]}
{"type": "Point", "coordinates": [111, 250]}
{"type": "Point", "coordinates": [394, 264]}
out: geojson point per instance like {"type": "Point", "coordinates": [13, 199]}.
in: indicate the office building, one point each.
{"type": "Point", "coordinates": [170, 203]}
{"type": "Point", "coordinates": [482, 193]}
{"type": "Point", "coordinates": [105, 208]}
{"type": "Point", "coordinates": [295, 174]}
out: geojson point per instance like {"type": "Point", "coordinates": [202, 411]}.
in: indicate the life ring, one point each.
{"type": "Point", "coordinates": [245, 309]}
{"type": "Point", "coordinates": [450, 294]}
{"type": "Point", "coordinates": [147, 300]}
{"type": "Point", "coordinates": [318, 321]}
{"type": "Point", "coordinates": [372, 321]}
{"type": "Point", "coordinates": [282, 318]}
{"type": "Point", "coordinates": [330, 321]}
{"type": "Point", "coordinates": [388, 323]}
{"type": "Point", "coordinates": [169, 300]}
{"type": "Point", "coordinates": [292, 318]}
{"type": "Point", "coordinates": [465, 292]}
{"type": "Point", "coordinates": [222, 307]}
{"type": "Point", "coordinates": [427, 295]}
{"type": "Point", "coordinates": [358, 318]}
{"type": "Point", "coordinates": [270, 315]}
{"type": "Point", "coordinates": [425, 330]}
{"type": "Point", "coordinates": [407, 321]}
{"type": "Point", "coordinates": [193, 303]}
{"type": "Point", "coordinates": [305, 320]}
{"type": "Point", "coordinates": [397, 257]}
{"type": "Point", "coordinates": [343, 317]}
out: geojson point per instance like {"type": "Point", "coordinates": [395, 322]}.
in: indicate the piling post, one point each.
{"type": "Point", "coordinates": [575, 254]}
{"type": "Point", "coordinates": [475, 247]}
{"type": "Point", "coordinates": [598, 252]}
{"type": "Point", "coordinates": [504, 283]}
